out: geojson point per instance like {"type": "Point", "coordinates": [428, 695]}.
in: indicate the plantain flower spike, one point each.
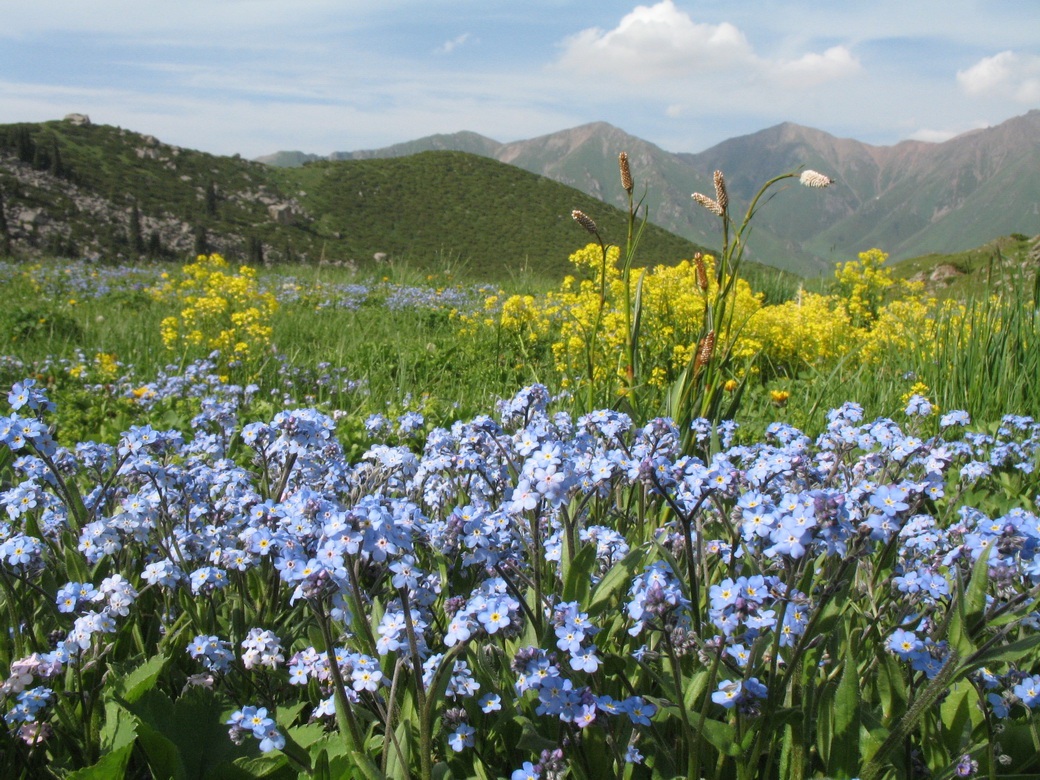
{"type": "Point", "coordinates": [721, 196]}
{"type": "Point", "coordinates": [709, 203]}
{"type": "Point", "coordinates": [702, 271]}
{"type": "Point", "coordinates": [626, 173]}
{"type": "Point", "coordinates": [585, 221]}
{"type": "Point", "coordinates": [815, 179]}
{"type": "Point", "coordinates": [705, 350]}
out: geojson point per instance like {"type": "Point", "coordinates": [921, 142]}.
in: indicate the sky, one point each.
{"type": "Point", "coordinates": [257, 76]}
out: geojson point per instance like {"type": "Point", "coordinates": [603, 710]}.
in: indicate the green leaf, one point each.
{"type": "Point", "coordinates": [696, 685]}
{"type": "Point", "coordinates": [1012, 652]}
{"type": "Point", "coordinates": [480, 770]}
{"type": "Point", "coordinates": [614, 580]}
{"type": "Point", "coordinates": [320, 766]}
{"type": "Point", "coordinates": [406, 739]}
{"type": "Point", "coordinates": [956, 713]}
{"type": "Point", "coordinates": [722, 736]}
{"type": "Point", "coordinates": [892, 688]}
{"type": "Point", "coordinates": [845, 756]}
{"type": "Point", "coordinates": [369, 769]}
{"type": "Point", "coordinates": [577, 574]}
{"type": "Point", "coordinates": [74, 563]}
{"type": "Point", "coordinates": [870, 739]}
{"type": "Point", "coordinates": [272, 765]}
{"type": "Point", "coordinates": [976, 598]}
{"type": "Point", "coordinates": [120, 728]}
{"type": "Point", "coordinates": [111, 766]}
{"type": "Point", "coordinates": [530, 739]}
{"type": "Point", "coordinates": [307, 735]}
{"type": "Point", "coordinates": [133, 685]}
{"type": "Point", "coordinates": [164, 760]}
{"type": "Point", "coordinates": [968, 606]}
{"type": "Point", "coordinates": [186, 738]}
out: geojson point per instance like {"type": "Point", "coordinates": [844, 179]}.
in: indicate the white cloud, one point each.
{"type": "Point", "coordinates": [938, 136]}
{"type": "Point", "coordinates": [1006, 75]}
{"type": "Point", "coordinates": [656, 41]}
{"type": "Point", "coordinates": [448, 46]}
{"type": "Point", "coordinates": [931, 136]}
{"type": "Point", "coordinates": [202, 18]}
{"type": "Point", "coordinates": [813, 69]}
{"type": "Point", "coordinates": [663, 44]}
{"type": "Point", "coordinates": [256, 124]}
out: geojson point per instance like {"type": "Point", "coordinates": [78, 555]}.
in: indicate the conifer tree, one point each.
{"type": "Point", "coordinates": [201, 241]}
{"type": "Point", "coordinates": [211, 200]}
{"type": "Point", "coordinates": [23, 144]}
{"type": "Point", "coordinates": [5, 234]}
{"type": "Point", "coordinates": [57, 167]}
{"type": "Point", "coordinates": [41, 160]}
{"type": "Point", "coordinates": [136, 238]}
{"type": "Point", "coordinates": [255, 253]}
{"type": "Point", "coordinates": [155, 247]}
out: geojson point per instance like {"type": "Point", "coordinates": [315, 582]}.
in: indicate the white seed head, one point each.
{"type": "Point", "coordinates": [815, 179]}
{"type": "Point", "coordinates": [710, 204]}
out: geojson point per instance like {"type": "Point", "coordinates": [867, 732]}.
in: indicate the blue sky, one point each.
{"type": "Point", "coordinates": [257, 76]}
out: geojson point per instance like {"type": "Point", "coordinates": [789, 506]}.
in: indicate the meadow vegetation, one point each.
{"type": "Point", "coordinates": [644, 521]}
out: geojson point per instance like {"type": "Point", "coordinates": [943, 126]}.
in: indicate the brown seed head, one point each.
{"type": "Point", "coordinates": [708, 203]}
{"type": "Point", "coordinates": [585, 221]}
{"type": "Point", "coordinates": [702, 271]}
{"type": "Point", "coordinates": [720, 190]}
{"type": "Point", "coordinates": [815, 179]}
{"type": "Point", "coordinates": [705, 350]}
{"type": "Point", "coordinates": [626, 172]}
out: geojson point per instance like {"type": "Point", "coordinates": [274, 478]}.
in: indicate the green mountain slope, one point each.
{"type": "Point", "coordinates": [493, 216]}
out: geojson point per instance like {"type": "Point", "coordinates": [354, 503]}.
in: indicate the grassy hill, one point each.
{"type": "Point", "coordinates": [488, 217]}
{"type": "Point", "coordinates": [454, 203]}
{"type": "Point", "coordinates": [1008, 263]}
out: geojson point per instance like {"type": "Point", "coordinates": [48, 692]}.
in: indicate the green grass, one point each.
{"type": "Point", "coordinates": [415, 357]}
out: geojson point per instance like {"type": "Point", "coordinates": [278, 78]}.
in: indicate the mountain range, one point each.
{"type": "Point", "coordinates": [909, 199]}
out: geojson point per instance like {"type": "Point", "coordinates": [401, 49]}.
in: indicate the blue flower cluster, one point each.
{"type": "Point", "coordinates": [452, 563]}
{"type": "Point", "coordinates": [83, 280]}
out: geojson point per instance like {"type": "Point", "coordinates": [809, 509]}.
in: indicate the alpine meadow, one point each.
{"type": "Point", "coordinates": [418, 464]}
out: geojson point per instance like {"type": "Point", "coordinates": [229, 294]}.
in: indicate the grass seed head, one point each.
{"type": "Point", "coordinates": [626, 172]}
{"type": "Point", "coordinates": [585, 221]}
{"type": "Point", "coordinates": [710, 204]}
{"type": "Point", "coordinates": [702, 271]}
{"type": "Point", "coordinates": [815, 179]}
{"type": "Point", "coordinates": [721, 196]}
{"type": "Point", "coordinates": [704, 352]}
